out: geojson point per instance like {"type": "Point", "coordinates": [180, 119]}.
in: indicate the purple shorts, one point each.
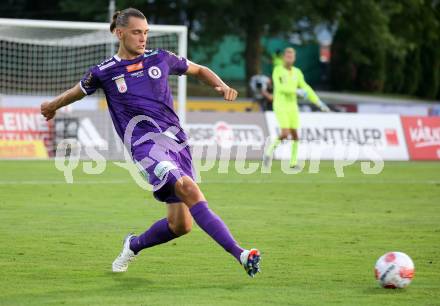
{"type": "Point", "coordinates": [162, 167]}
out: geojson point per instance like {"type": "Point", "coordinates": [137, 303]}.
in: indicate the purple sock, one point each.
{"type": "Point", "coordinates": [158, 233]}
{"type": "Point", "coordinates": [215, 227]}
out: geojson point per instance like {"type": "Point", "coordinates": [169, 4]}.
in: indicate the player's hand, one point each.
{"type": "Point", "coordinates": [229, 94]}
{"type": "Point", "coordinates": [301, 93]}
{"type": "Point", "coordinates": [323, 107]}
{"type": "Point", "coordinates": [47, 110]}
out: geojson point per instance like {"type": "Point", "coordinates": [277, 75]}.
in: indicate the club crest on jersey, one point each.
{"type": "Point", "coordinates": [154, 72]}
{"type": "Point", "coordinates": [120, 84]}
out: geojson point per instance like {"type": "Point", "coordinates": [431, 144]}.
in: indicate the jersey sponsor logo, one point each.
{"type": "Point", "coordinates": [134, 67]}
{"type": "Point", "coordinates": [106, 65]}
{"type": "Point", "coordinates": [120, 84]}
{"type": "Point", "coordinates": [154, 72]}
{"type": "Point", "coordinates": [137, 74]}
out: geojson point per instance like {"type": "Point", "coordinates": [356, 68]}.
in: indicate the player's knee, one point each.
{"type": "Point", "coordinates": [294, 134]}
{"type": "Point", "coordinates": [187, 189]}
{"type": "Point", "coordinates": [284, 133]}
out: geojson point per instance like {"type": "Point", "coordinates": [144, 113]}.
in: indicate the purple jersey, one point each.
{"type": "Point", "coordinates": [138, 87]}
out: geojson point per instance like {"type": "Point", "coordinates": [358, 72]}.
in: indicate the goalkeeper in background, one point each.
{"type": "Point", "coordinates": [289, 82]}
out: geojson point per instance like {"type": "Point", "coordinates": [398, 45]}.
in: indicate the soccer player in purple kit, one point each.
{"type": "Point", "coordinates": [135, 82]}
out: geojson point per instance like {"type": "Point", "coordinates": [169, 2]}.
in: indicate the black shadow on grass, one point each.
{"type": "Point", "coordinates": [384, 291]}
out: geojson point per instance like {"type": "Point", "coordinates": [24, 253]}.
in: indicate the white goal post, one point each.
{"type": "Point", "coordinates": [33, 52]}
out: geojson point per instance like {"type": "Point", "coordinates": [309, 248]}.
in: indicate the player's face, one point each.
{"type": "Point", "coordinates": [134, 35]}
{"type": "Point", "coordinates": [289, 58]}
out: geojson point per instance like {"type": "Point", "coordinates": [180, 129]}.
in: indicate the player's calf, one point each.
{"type": "Point", "coordinates": [181, 227]}
{"type": "Point", "coordinates": [179, 218]}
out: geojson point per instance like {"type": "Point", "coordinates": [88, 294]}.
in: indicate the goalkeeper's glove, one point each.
{"type": "Point", "coordinates": [323, 107]}
{"type": "Point", "coordinates": [301, 93]}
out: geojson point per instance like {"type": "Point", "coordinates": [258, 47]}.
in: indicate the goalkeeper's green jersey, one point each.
{"type": "Point", "coordinates": [286, 82]}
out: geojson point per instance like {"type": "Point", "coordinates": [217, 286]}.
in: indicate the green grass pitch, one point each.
{"type": "Point", "coordinates": [320, 237]}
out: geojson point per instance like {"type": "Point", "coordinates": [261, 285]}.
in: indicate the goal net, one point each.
{"type": "Point", "coordinates": [44, 58]}
{"type": "Point", "coordinates": [39, 59]}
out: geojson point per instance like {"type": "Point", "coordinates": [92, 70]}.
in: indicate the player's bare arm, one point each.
{"type": "Point", "coordinates": [127, 97]}
{"type": "Point", "coordinates": [212, 79]}
{"type": "Point", "coordinates": [48, 109]}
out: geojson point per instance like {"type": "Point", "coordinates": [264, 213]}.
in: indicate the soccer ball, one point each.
{"type": "Point", "coordinates": [394, 270]}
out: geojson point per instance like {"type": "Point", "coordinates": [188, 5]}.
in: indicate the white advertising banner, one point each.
{"type": "Point", "coordinates": [400, 109]}
{"type": "Point", "coordinates": [17, 101]}
{"type": "Point", "coordinates": [243, 134]}
{"type": "Point", "coordinates": [343, 136]}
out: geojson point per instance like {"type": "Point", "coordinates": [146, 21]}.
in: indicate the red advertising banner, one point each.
{"type": "Point", "coordinates": [18, 124]}
{"type": "Point", "coordinates": [422, 137]}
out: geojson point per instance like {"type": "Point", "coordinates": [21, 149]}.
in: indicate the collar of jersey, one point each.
{"type": "Point", "coordinates": [116, 57]}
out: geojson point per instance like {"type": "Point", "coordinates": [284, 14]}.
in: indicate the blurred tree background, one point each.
{"type": "Point", "coordinates": [390, 46]}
